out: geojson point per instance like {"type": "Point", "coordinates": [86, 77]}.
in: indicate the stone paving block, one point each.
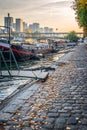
{"type": "Point", "coordinates": [84, 121]}
{"type": "Point", "coordinates": [57, 107]}
{"type": "Point", "coordinates": [82, 127]}
{"type": "Point", "coordinates": [23, 112]}
{"type": "Point", "coordinates": [84, 107]}
{"type": "Point", "coordinates": [72, 127]}
{"type": "Point", "coordinates": [27, 128]}
{"type": "Point", "coordinates": [41, 100]}
{"type": "Point", "coordinates": [3, 120]}
{"type": "Point", "coordinates": [4, 115]}
{"type": "Point", "coordinates": [76, 111]}
{"type": "Point", "coordinates": [42, 113]}
{"type": "Point", "coordinates": [65, 115]}
{"type": "Point", "coordinates": [49, 120]}
{"type": "Point", "coordinates": [84, 115]}
{"type": "Point", "coordinates": [72, 121]}
{"type": "Point", "coordinates": [68, 108]}
{"type": "Point", "coordinates": [77, 116]}
{"type": "Point", "coordinates": [71, 101]}
{"type": "Point", "coordinates": [44, 128]}
{"type": "Point", "coordinates": [53, 111]}
{"type": "Point", "coordinates": [48, 126]}
{"type": "Point", "coordinates": [53, 115]}
{"type": "Point", "coordinates": [26, 118]}
{"type": "Point", "coordinates": [11, 123]}
{"type": "Point", "coordinates": [37, 119]}
{"type": "Point", "coordinates": [66, 104]}
{"type": "Point", "coordinates": [60, 121]}
{"type": "Point", "coordinates": [62, 111]}
{"type": "Point", "coordinates": [18, 102]}
{"type": "Point", "coordinates": [25, 95]}
{"type": "Point", "coordinates": [59, 127]}
{"type": "Point", "coordinates": [26, 124]}
{"type": "Point", "coordinates": [11, 109]}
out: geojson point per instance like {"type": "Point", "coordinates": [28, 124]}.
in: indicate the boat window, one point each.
{"type": "Point", "coordinates": [3, 41]}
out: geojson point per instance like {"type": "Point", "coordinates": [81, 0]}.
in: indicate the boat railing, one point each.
{"type": "Point", "coordinates": [7, 63]}
{"type": "Point", "coordinates": [16, 73]}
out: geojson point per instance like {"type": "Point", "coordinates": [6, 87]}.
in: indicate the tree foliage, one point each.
{"type": "Point", "coordinates": [80, 7]}
{"type": "Point", "coordinates": [72, 37]}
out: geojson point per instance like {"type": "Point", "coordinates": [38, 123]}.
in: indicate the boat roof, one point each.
{"type": "Point", "coordinates": [4, 43]}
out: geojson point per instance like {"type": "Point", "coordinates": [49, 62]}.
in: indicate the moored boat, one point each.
{"type": "Point", "coordinates": [23, 51]}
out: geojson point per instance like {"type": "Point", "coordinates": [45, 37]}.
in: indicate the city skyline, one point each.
{"type": "Point", "coordinates": [51, 13]}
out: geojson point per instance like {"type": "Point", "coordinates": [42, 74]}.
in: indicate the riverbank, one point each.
{"type": "Point", "coordinates": [59, 103]}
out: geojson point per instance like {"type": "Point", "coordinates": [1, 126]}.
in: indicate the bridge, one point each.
{"type": "Point", "coordinates": [58, 35]}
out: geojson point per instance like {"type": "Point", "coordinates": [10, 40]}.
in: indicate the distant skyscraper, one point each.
{"type": "Point", "coordinates": [24, 26]}
{"type": "Point", "coordinates": [8, 21]}
{"type": "Point", "coordinates": [48, 30]}
{"type": "Point", "coordinates": [34, 27]}
{"type": "Point", "coordinates": [31, 27]}
{"type": "Point", "coordinates": [14, 26]}
{"type": "Point", "coordinates": [19, 25]}
{"type": "Point", "coordinates": [41, 30]}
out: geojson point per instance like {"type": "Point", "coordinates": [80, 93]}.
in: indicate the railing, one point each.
{"type": "Point", "coordinates": [10, 60]}
{"type": "Point", "coordinates": [38, 35]}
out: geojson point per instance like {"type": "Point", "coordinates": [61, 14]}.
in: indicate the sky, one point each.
{"type": "Point", "coordinates": [52, 13]}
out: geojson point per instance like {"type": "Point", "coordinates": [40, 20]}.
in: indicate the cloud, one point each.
{"type": "Point", "coordinates": [52, 7]}
{"type": "Point", "coordinates": [58, 4]}
{"type": "Point", "coordinates": [32, 4]}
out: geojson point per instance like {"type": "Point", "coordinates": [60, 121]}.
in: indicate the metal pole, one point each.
{"type": "Point", "coordinates": [9, 35]}
{"type": "Point", "coordinates": [3, 59]}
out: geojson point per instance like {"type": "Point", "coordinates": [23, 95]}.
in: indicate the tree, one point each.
{"type": "Point", "coordinates": [72, 37]}
{"type": "Point", "coordinates": [80, 7]}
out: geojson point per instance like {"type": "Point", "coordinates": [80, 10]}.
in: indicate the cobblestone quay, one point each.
{"type": "Point", "coordinates": [59, 103]}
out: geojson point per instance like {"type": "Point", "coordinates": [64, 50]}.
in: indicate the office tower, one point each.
{"type": "Point", "coordinates": [8, 22]}
{"type": "Point", "coordinates": [25, 27]}
{"type": "Point", "coordinates": [14, 26]}
{"type": "Point", "coordinates": [19, 25]}
{"type": "Point", "coordinates": [48, 30]}
{"type": "Point", "coordinates": [34, 27]}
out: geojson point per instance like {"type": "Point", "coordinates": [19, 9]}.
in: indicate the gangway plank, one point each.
{"type": "Point", "coordinates": [26, 74]}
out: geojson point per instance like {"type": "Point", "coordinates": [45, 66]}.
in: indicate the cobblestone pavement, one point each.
{"type": "Point", "coordinates": [59, 103]}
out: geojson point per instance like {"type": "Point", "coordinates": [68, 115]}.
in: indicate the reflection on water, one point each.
{"type": "Point", "coordinates": [47, 61]}
{"type": "Point", "coordinates": [55, 57]}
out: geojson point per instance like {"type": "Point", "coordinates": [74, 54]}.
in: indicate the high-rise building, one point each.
{"type": "Point", "coordinates": [19, 25]}
{"type": "Point", "coordinates": [34, 27]}
{"type": "Point", "coordinates": [8, 21]}
{"type": "Point", "coordinates": [41, 30]}
{"type": "Point", "coordinates": [14, 26]}
{"type": "Point", "coordinates": [48, 30]}
{"type": "Point", "coordinates": [25, 26]}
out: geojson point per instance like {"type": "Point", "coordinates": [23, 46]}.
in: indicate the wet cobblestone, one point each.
{"type": "Point", "coordinates": [59, 103]}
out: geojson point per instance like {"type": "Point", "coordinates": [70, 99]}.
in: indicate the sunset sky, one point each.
{"type": "Point", "coordinates": [51, 13]}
